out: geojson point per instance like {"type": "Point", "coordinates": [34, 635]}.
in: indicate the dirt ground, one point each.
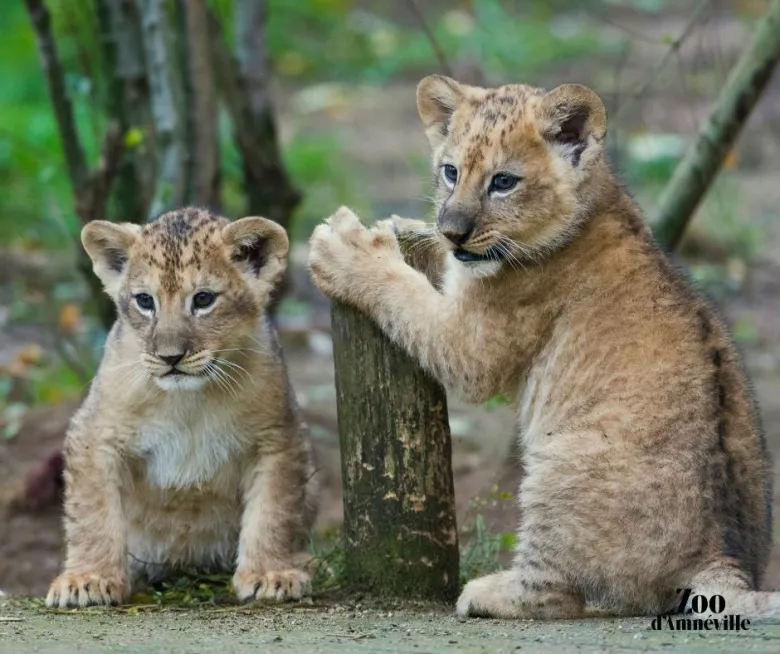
{"type": "Point", "coordinates": [339, 629]}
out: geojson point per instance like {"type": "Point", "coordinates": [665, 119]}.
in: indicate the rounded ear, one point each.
{"type": "Point", "coordinates": [574, 120]}
{"type": "Point", "coordinates": [258, 245]}
{"type": "Point", "coordinates": [108, 245]}
{"type": "Point", "coordinates": [437, 98]}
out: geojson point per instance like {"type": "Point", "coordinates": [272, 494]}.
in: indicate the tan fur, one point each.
{"type": "Point", "coordinates": [211, 470]}
{"type": "Point", "coordinates": [646, 468]}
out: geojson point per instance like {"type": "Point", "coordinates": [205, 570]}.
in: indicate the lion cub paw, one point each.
{"type": "Point", "coordinates": [280, 585]}
{"type": "Point", "coordinates": [72, 589]}
{"type": "Point", "coordinates": [404, 226]}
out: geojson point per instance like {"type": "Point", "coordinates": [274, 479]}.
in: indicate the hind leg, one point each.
{"type": "Point", "coordinates": [521, 593]}
{"type": "Point", "coordinates": [535, 587]}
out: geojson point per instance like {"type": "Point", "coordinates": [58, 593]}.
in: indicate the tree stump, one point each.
{"type": "Point", "coordinates": [400, 530]}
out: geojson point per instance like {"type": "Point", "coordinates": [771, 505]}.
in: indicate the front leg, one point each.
{"type": "Point", "coordinates": [273, 529]}
{"type": "Point", "coordinates": [96, 561]}
{"type": "Point", "coordinates": [448, 337]}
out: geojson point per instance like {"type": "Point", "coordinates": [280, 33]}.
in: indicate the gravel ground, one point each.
{"type": "Point", "coordinates": [324, 629]}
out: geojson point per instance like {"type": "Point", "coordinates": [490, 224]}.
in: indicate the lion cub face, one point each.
{"type": "Point", "coordinates": [509, 165]}
{"type": "Point", "coordinates": [189, 289]}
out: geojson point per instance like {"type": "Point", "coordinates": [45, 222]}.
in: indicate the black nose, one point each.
{"type": "Point", "coordinates": [457, 236]}
{"type": "Point", "coordinates": [456, 225]}
{"type": "Point", "coordinates": [171, 359]}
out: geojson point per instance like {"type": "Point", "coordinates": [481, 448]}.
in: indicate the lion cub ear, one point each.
{"type": "Point", "coordinates": [258, 246]}
{"type": "Point", "coordinates": [437, 99]}
{"type": "Point", "coordinates": [108, 245]}
{"type": "Point", "coordinates": [574, 122]}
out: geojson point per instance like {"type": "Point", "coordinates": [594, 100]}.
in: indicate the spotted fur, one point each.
{"type": "Point", "coordinates": [646, 468]}
{"type": "Point", "coordinates": [209, 469]}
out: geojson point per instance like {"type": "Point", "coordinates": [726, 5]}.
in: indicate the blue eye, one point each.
{"type": "Point", "coordinates": [503, 182]}
{"type": "Point", "coordinates": [145, 302]}
{"type": "Point", "coordinates": [450, 173]}
{"type": "Point", "coordinates": [203, 299]}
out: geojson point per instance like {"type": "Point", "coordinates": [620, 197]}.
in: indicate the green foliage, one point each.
{"type": "Point", "coordinates": [369, 47]}
{"type": "Point", "coordinates": [722, 218]}
{"type": "Point", "coordinates": [318, 168]}
{"type": "Point", "coordinates": [36, 204]}
{"type": "Point", "coordinates": [481, 549]}
{"type": "Point", "coordinates": [307, 40]}
{"type": "Point", "coordinates": [496, 401]}
{"type": "Point", "coordinates": [652, 158]}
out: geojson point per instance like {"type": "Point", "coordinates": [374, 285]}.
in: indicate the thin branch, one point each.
{"type": "Point", "coordinates": [55, 79]}
{"type": "Point", "coordinates": [674, 48]}
{"type": "Point", "coordinates": [415, 10]}
{"type": "Point", "coordinates": [639, 36]}
{"type": "Point", "coordinates": [696, 172]}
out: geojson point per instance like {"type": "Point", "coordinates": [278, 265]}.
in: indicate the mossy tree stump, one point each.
{"type": "Point", "coordinates": [400, 531]}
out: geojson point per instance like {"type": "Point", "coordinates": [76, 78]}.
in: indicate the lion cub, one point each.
{"type": "Point", "coordinates": [646, 468]}
{"type": "Point", "coordinates": [189, 451]}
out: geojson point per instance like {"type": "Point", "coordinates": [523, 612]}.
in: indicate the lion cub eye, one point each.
{"type": "Point", "coordinates": [450, 173]}
{"type": "Point", "coordinates": [144, 301]}
{"type": "Point", "coordinates": [203, 299]}
{"type": "Point", "coordinates": [503, 182]}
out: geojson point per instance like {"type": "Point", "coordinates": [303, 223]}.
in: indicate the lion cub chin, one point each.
{"type": "Point", "coordinates": [189, 451]}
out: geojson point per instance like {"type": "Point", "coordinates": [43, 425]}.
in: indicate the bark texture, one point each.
{"type": "Point", "coordinates": [400, 530]}
{"type": "Point", "coordinates": [270, 192]}
{"type": "Point", "coordinates": [244, 83]}
{"type": "Point", "coordinates": [199, 107]}
{"type": "Point", "coordinates": [167, 129]}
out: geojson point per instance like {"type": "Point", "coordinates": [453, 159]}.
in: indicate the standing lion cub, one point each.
{"type": "Point", "coordinates": [189, 451]}
{"type": "Point", "coordinates": [646, 468]}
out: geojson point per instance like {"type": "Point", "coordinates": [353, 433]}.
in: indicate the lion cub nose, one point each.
{"type": "Point", "coordinates": [457, 237]}
{"type": "Point", "coordinates": [456, 225]}
{"type": "Point", "coordinates": [171, 359]}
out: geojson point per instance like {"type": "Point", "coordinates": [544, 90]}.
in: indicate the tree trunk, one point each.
{"type": "Point", "coordinates": [245, 86]}
{"type": "Point", "coordinates": [128, 104]}
{"type": "Point", "coordinates": [269, 190]}
{"type": "Point", "coordinates": [400, 531]}
{"type": "Point", "coordinates": [703, 159]}
{"type": "Point", "coordinates": [199, 106]}
{"type": "Point", "coordinates": [168, 134]}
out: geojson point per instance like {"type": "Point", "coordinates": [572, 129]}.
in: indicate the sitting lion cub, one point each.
{"type": "Point", "coordinates": [646, 468]}
{"type": "Point", "coordinates": [189, 451]}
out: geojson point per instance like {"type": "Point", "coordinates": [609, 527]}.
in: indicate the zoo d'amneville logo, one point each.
{"type": "Point", "coordinates": [703, 614]}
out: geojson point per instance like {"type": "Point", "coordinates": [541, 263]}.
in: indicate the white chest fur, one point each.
{"type": "Point", "coordinates": [187, 445]}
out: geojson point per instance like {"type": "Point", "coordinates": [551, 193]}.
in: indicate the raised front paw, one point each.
{"type": "Point", "coordinates": [280, 585]}
{"type": "Point", "coordinates": [343, 254]}
{"type": "Point", "coordinates": [79, 589]}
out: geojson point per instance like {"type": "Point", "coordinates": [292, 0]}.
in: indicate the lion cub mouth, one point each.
{"type": "Point", "coordinates": [491, 254]}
